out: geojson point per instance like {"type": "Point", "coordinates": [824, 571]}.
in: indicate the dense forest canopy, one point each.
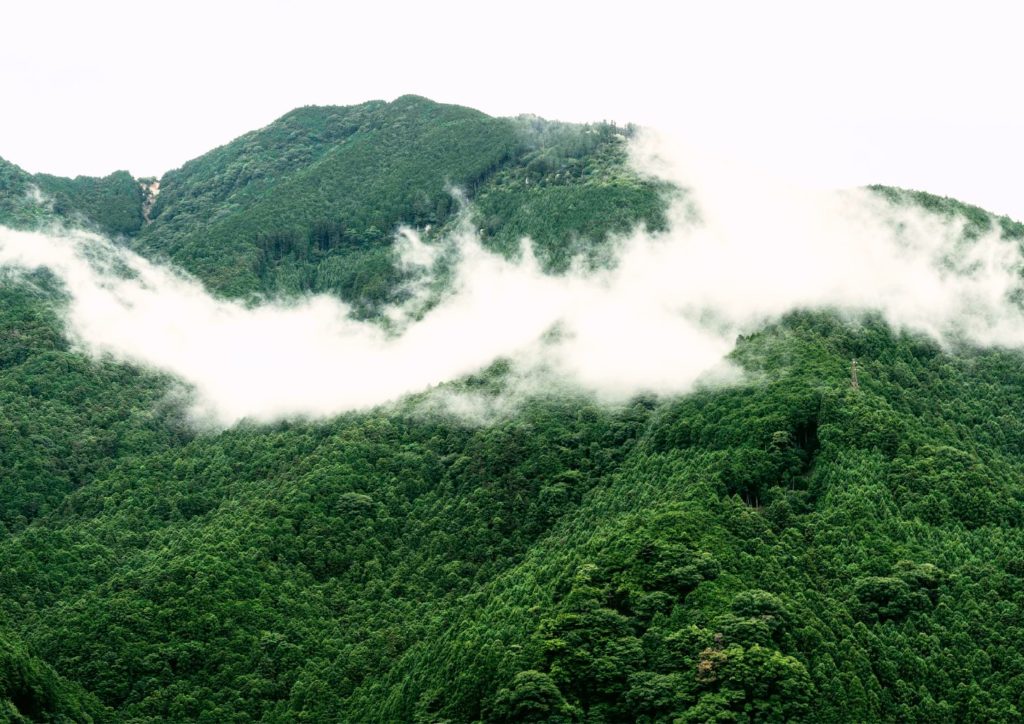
{"type": "Point", "coordinates": [790, 547]}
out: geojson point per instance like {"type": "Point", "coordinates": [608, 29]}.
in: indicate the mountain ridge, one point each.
{"type": "Point", "coordinates": [790, 546]}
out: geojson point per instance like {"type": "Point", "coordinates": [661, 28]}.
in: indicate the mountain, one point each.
{"type": "Point", "coordinates": [805, 546]}
{"type": "Point", "coordinates": [112, 205]}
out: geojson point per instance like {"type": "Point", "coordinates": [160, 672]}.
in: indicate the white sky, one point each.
{"type": "Point", "coordinates": [923, 95]}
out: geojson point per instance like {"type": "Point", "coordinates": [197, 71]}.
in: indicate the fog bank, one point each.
{"type": "Point", "coordinates": [741, 250]}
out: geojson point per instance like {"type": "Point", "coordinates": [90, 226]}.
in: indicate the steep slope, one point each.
{"type": "Point", "coordinates": [311, 202]}
{"type": "Point", "coordinates": [795, 549]}
{"type": "Point", "coordinates": [30, 691]}
{"type": "Point", "coordinates": [788, 548]}
{"type": "Point", "coordinates": [111, 205]}
{"type": "Point", "coordinates": [751, 551]}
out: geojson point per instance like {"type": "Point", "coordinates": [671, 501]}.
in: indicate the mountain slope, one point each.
{"type": "Point", "coordinates": [312, 201]}
{"type": "Point", "coordinates": [796, 541]}
{"type": "Point", "coordinates": [111, 205]}
{"type": "Point", "coordinates": [791, 547]}
{"type": "Point", "coordinates": [30, 691]}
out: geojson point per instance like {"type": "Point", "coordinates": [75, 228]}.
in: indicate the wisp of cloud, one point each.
{"type": "Point", "coordinates": [740, 251]}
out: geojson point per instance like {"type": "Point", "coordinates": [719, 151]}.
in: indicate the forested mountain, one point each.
{"type": "Point", "coordinates": [112, 205]}
{"type": "Point", "coordinates": [311, 202]}
{"type": "Point", "coordinates": [798, 546]}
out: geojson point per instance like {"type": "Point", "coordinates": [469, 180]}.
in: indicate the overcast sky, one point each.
{"type": "Point", "coordinates": [922, 95]}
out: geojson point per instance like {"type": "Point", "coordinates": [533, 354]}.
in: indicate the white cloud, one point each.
{"type": "Point", "coordinates": [661, 320]}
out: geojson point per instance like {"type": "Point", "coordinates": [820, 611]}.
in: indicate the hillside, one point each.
{"type": "Point", "coordinates": [790, 547]}
{"type": "Point", "coordinates": [112, 205]}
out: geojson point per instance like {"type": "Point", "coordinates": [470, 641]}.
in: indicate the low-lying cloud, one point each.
{"type": "Point", "coordinates": [740, 251]}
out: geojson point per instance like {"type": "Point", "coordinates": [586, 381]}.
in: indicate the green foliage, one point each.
{"type": "Point", "coordinates": [572, 185]}
{"type": "Point", "coordinates": [311, 202]}
{"type": "Point", "coordinates": [978, 221]}
{"type": "Point", "coordinates": [569, 562]}
{"type": "Point", "coordinates": [64, 418]}
{"type": "Point", "coordinates": [111, 205]}
{"type": "Point", "coordinates": [30, 691]}
{"type": "Point", "coordinates": [787, 548]}
{"type": "Point", "coordinates": [277, 209]}
{"type": "Point", "coordinates": [533, 697]}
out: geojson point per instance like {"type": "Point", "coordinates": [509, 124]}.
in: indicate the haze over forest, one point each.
{"type": "Point", "coordinates": [401, 411]}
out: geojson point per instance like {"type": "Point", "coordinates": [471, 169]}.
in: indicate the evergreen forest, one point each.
{"type": "Point", "coordinates": [799, 546]}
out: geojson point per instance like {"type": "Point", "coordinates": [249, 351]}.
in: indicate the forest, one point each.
{"type": "Point", "coordinates": [799, 546]}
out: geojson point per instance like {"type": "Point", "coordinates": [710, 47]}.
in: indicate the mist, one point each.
{"type": "Point", "coordinates": [740, 251]}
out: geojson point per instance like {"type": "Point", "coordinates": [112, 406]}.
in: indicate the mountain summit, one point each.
{"type": "Point", "coordinates": [828, 528]}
